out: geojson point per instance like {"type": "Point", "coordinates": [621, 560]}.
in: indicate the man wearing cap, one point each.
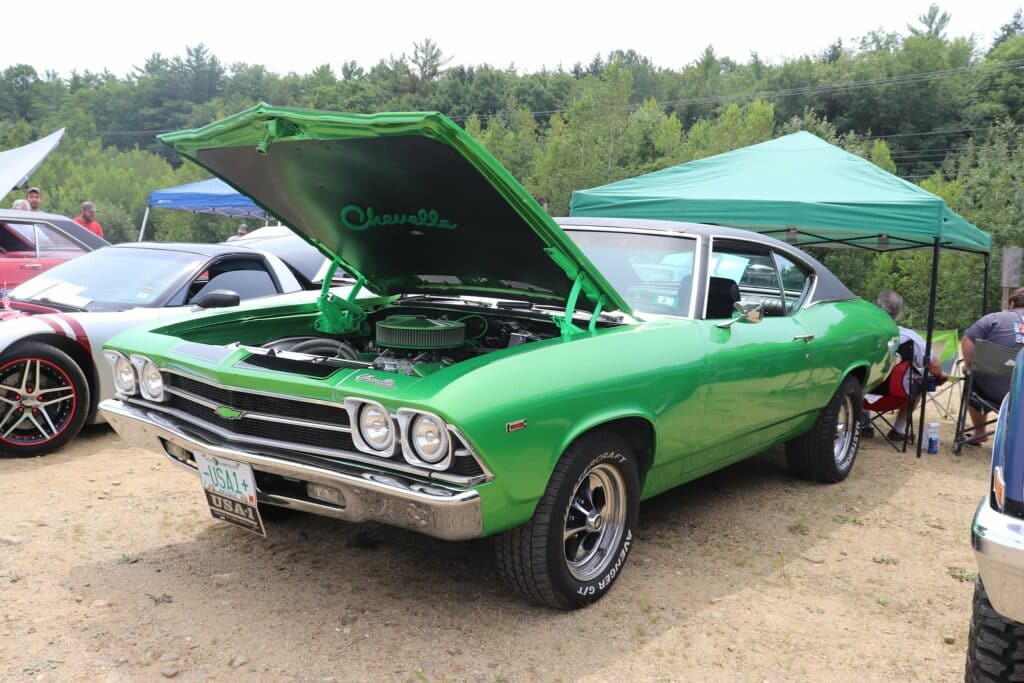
{"type": "Point", "coordinates": [34, 198]}
{"type": "Point", "coordinates": [242, 231]}
{"type": "Point", "coordinates": [87, 218]}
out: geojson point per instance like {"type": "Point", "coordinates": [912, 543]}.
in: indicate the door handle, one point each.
{"type": "Point", "coordinates": [806, 338]}
{"type": "Point", "coordinates": [31, 266]}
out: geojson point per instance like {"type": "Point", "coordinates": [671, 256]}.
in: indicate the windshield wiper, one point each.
{"type": "Point", "coordinates": [59, 305]}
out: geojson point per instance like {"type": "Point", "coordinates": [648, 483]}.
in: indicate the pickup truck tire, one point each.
{"type": "Point", "coordinates": [44, 399]}
{"type": "Point", "coordinates": [995, 645]}
{"type": "Point", "coordinates": [576, 544]}
{"type": "Point", "coordinates": [826, 453]}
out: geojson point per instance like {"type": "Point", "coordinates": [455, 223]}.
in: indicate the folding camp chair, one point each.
{"type": "Point", "coordinates": [899, 390]}
{"type": "Point", "coordinates": [946, 347]}
{"type": "Point", "coordinates": [989, 359]}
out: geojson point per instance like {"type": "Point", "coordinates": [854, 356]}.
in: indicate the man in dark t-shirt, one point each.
{"type": "Point", "coordinates": [1005, 328]}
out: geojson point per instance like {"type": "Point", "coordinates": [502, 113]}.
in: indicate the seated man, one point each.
{"type": "Point", "coordinates": [1005, 328]}
{"type": "Point", "coordinates": [892, 303]}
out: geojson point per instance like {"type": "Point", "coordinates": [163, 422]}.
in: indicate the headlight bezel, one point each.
{"type": "Point", "coordinates": [143, 366]}
{"type": "Point", "coordinates": [407, 419]}
{"type": "Point", "coordinates": [354, 407]}
{"type": "Point", "coordinates": [116, 359]}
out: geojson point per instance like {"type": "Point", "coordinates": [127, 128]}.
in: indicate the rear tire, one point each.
{"type": "Point", "coordinates": [827, 452]}
{"type": "Point", "coordinates": [995, 645]}
{"type": "Point", "coordinates": [44, 400]}
{"type": "Point", "coordinates": [575, 546]}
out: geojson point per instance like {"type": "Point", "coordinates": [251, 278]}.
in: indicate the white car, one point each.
{"type": "Point", "coordinates": [53, 327]}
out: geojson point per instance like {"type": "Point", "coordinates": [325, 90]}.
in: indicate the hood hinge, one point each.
{"type": "Point", "coordinates": [276, 129]}
{"type": "Point", "coordinates": [337, 315]}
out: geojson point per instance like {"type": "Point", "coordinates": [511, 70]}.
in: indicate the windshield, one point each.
{"type": "Point", "coordinates": [653, 273]}
{"type": "Point", "coordinates": [111, 279]}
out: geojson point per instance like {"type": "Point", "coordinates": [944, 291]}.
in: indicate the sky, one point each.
{"type": "Point", "coordinates": [530, 34]}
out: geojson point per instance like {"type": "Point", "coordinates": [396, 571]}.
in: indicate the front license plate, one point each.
{"type": "Point", "coordinates": [230, 489]}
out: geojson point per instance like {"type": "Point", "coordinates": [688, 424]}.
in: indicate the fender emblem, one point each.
{"type": "Point", "coordinates": [228, 413]}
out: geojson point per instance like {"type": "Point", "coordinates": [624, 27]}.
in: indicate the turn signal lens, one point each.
{"type": "Point", "coordinates": [998, 487]}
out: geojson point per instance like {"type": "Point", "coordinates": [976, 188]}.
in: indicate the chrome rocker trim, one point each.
{"type": "Point", "coordinates": [392, 499]}
{"type": "Point", "coordinates": [998, 542]}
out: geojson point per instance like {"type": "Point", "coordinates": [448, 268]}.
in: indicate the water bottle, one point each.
{"type": "Point", "coordinates": [933, 438]}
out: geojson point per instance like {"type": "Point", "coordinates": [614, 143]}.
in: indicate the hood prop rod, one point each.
{"type": "Point", "coordinates": [337, 315]}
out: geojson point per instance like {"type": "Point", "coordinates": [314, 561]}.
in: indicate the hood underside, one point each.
{"type": "Point", "coordinates": [409, 201]}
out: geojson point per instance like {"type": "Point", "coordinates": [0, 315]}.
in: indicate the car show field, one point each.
{"type": "Point", "coordinates": [112, 569]}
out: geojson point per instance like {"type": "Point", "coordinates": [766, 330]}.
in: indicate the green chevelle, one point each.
{"type": "Point", "coordinates": [491, 371]}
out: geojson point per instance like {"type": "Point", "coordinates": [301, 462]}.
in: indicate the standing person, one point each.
{"type": "Point", "coordinates": [87, 218]}
{"type": "Point", "coordinates": [21, 205]}
{"type": "Point", "coordinates": [892, 303]}
{"type": "Point", "coordinates": [34, 198]}
{"type": "Point", "coordinates": [1005, 328]}
{"type": "Point", "coordinates": [242, 231]}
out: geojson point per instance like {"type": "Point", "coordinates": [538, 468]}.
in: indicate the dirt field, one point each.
{"type": "Point", "coordinates": [112, 569]}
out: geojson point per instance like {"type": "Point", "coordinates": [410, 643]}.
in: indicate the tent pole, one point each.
{"type": "Point", "coordinates": [145, 217]}
{"type": "Point", "coordinates": [984, 290]}
{"type": "Point", "coordinates": [928, 342]}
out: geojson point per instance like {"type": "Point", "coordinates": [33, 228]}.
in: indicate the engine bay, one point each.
{"type": "Point", "coordinates": [408, 340]}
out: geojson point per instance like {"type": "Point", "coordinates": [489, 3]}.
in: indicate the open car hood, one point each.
{"type": "Point", "coordinates": [409, 201]}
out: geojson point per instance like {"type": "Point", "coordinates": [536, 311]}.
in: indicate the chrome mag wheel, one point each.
{"type": "Point", "coordinates": [846, 430]}
{"type": "Point", "coordinates": [594, 522]}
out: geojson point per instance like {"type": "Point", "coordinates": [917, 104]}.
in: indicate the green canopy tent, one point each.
{"type": "Point", "coordinates": [801, 189]}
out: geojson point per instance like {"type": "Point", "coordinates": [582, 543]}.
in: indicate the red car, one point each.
{"type": "Point", "coordinates": [31, 242]}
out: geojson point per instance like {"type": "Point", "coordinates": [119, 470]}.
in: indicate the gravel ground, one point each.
{"type": "Point", "coordinates": [112, 569]}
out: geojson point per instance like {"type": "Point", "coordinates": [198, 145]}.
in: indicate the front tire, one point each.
{"type": "Point", "coordinates": [827, 452]}
{"type": "Point", "coordinates": [995, 645]}
{"type": "Point", "coordinates": [575, 546]}
{"type": "Point", "coordinates": [44, 400]}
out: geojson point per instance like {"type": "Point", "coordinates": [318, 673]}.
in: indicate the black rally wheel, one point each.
{"type": "Point", "coordinates": [827, 452]}
{"type": "Point", "coordinates": [575, 546]}
{"type": "Point", "coordinates": [995, 645]}
{"type": "Point", "coordinates": [44, 399]}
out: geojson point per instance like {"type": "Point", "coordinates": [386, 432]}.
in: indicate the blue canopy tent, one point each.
{"type": "Point", "coordinates": [212, 196]}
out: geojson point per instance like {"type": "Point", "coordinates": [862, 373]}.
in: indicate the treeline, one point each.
{"type": "Point", "coordinates": [944, 112]}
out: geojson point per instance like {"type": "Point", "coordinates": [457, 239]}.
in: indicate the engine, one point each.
{"type": "Point", "coordinates": [407, 343]}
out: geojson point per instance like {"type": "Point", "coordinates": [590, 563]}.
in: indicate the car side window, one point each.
{"type": "Point", "coordinates": [741, 271]}
{"type": "Point", "coordinates": [45, 236]}
{"type": "Point", "coordinates": [796, 282]}
{"type": "Point", "coordinates": [12, 241]}
{"type": "Point", "coordinates": [248, 277]}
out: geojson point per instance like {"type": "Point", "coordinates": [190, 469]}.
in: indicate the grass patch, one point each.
{"type": "Point", "coordinates": [884, 559]}
{"type": "Point", "coordinates": [961, 574]}
{"type": "Point", "coordinates": [128, 559]}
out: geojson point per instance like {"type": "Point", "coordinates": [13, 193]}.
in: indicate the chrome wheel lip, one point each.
{"type": "Point", "coordinates": [846, 432]}
{"type": "Point", "coordinates": [594, 521]}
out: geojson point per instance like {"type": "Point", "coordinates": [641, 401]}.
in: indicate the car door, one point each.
{"type": "Point", "coordinates": [758, 373]}
{"type": "Point", "coordinates": [31, 248]}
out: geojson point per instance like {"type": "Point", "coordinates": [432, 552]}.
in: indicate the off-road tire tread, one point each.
{"type": "Point", "coordinates": [995, 645]}
{"type": "Point", "coordinates": [84, 397]}
{"type": "Point", "coordinates": [520, 552]}
{"type": "Point", "coordinates": [810, 455]}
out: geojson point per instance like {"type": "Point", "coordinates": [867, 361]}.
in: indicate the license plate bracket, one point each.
{"type": "Point", "coordinates": [230, 489]}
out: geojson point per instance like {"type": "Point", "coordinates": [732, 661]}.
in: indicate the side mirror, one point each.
{"type": "Point", "coordinates": [218, 298]}
{"type": "Point", "coordinates": [748, 311]}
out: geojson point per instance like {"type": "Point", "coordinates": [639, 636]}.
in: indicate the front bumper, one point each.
{"type": "Point", "coordinates": [998, 542]}
{"type": "Point", "coordinates": [368, 495]}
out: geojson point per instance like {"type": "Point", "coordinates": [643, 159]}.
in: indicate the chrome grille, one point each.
{"type": "Point", "coordinates": [258, 403]}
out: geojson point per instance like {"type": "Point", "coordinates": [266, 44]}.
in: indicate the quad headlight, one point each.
{"type": "Point", "coordinates": [376, 428]}
{"type": "Point", "coordinates": [425, 439]}
{"type": "Point", "coordinates": [125, 381]}
{"type": "Point", "coordinates": [151, 382]}
{"type": "Point", "coordinates": [428, 437]}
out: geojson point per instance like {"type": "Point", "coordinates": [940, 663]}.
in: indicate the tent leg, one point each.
{"type": "Point", "coordinates": [928, 343]}
{"type": "Point", "coordinates": [984, 291]}
{"type": "Point", "coordinates": [145, 217]}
